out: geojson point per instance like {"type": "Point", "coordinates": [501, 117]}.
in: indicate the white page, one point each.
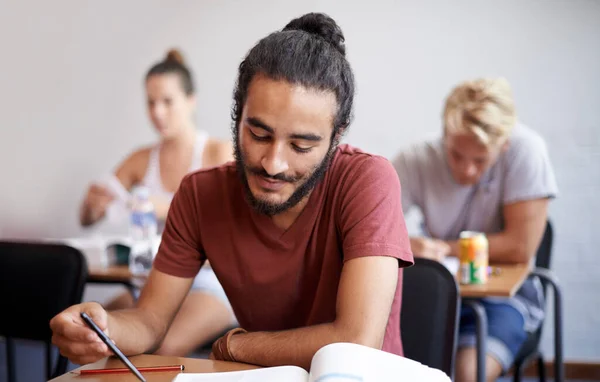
{"type": "Point", "coordinates": [93, 248]}
{"type": "Point", "coordinates": [452, 263]}
{"type": "Point", "coordinates": [275, 374]}
{"type": "Point", "coordinates": [345, 362]}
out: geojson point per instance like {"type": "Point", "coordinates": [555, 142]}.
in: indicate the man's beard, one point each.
{"type": "Point", "coordinates": [270, 208]}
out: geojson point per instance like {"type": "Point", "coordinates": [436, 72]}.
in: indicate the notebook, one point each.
{"type": "Point", "coordinates": [339, 362]}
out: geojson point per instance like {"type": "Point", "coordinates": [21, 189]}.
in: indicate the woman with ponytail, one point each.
{"type": "Point", "coordinates": [181, 149]}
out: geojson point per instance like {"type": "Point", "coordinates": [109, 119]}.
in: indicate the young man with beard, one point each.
{"type": "Point", "coordinates": [307, 237]}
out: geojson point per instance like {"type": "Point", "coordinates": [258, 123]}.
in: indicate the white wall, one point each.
{"type": "Point", "coordinates": [72, 102]}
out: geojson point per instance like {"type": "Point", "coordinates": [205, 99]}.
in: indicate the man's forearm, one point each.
{"type": "Point", "coordinates": [502, 249]}
{"type": "Point", "coordinates": [289, 347]}
{"type": "Point", "coordinates": [135, 331]}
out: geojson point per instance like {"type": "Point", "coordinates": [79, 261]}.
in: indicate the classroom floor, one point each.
{"type": "Point", "coordinates": [31, 363]}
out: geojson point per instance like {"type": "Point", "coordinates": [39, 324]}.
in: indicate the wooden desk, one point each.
{"type": "Point", "coordinates": [191, 366]}
{"type": "Point", "coordinates": [506, 284]}
{"type": "Point", "coordinates": [111, 274]}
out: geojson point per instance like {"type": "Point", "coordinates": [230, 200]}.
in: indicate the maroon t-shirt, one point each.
{"type": "Point", "coordinates": [279, 279]}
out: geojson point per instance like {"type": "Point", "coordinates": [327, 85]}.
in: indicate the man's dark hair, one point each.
{"type": "Point", "coordinates": [310, 52]}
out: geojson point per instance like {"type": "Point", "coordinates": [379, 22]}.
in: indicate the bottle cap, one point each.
{"type": "Point", "coordinates": [141, 193]}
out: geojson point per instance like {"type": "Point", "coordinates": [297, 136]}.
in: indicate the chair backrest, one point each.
{"type": "Point", "coordinates": [543, 259]}
{"type": "Point", "coordinates": [429, 315]}
{"type": "Point", "coordinates": [37, 281]}
{"type": "Point", "coordinates": [543, 255]}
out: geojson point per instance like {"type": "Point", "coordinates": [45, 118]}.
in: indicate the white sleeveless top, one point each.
{"type": "Point", "coordinates": [206, 279]}
{"type": "Point", "coordinates": [152, 177]}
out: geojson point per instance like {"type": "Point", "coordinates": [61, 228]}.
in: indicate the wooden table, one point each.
{"type": "Point", "coordinates": [191, 366]}
{"type": "Point", "coordinates": [116, 274]}
{"type": "Point", "coordinates": [505, 284]}
{"type": "Point", "coordinates": [113, 273]}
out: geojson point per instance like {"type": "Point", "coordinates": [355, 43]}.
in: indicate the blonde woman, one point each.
{"type": "Point", "coordinates": [487, 173]}
{"type": "Point", "coordinates": [182, 148]}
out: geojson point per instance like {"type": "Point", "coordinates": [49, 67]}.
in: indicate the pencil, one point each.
{"type": "Point", "coordinates": [126, 370]}
{"type": "Point", "coordinates": [112, 346]}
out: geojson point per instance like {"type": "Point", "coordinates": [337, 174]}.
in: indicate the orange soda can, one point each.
{"type": "Point", "coordinates": [473, 256]}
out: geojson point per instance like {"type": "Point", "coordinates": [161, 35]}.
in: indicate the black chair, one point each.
{"type": "Point", "coordinates": [37, 281]}
{"type": "Point", "coordinates": [429, 315]}
{"type": "Point", "coordinates": [530, 350]}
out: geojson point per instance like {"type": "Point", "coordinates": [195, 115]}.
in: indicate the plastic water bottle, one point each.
{"type": "Point", "coordinates": [143, 230]}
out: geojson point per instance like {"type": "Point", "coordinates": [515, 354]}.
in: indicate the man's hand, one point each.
{"type": "Point", "coordinates": [429, 248]}
{"type": "Point", "coordinates": [74, 339]}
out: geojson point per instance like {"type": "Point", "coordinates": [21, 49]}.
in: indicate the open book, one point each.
{"type": "Point", "coordinates": [339, 362]}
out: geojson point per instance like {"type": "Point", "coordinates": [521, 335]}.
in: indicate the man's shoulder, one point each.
{"type": "Point", "coordinates": [211, 180]}
{"type": "Point", "coordinates": [214, 173]}
{"type": "Point", "coordinates": [421, 157]}
{"type": "Point", "coordinates": [524, 141]}
{"type": "Point", "coordinates": [524, 138]}
{"type": "Point", "coordinates": [425, 150]}
{"type": "Point", "coordinates": [352, 160]}
{"type": "Point", "coordinates": [353, 168]}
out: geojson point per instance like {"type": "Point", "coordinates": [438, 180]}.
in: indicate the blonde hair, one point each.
{"type": "Point", "coordinates": [484, 107]}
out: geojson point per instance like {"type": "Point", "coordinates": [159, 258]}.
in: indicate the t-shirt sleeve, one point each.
{"type": "Point", "coordinates": [371, 219]}
{"type": "Point", "coordinates": [409, 179]}
{"type": "Point", "coordinates": [529, 173]}
{"type": "Point", "coordinates": [180, 253]}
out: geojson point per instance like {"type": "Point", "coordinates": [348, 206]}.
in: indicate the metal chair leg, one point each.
{"type": "Point", "coordinates": [541, 368]}
{"type": "Point", "coordinates": [61, 366]}
{"type": "Point", "coordinates": [559, 368]}
{"type": "Point", "coordinates": [58, 368]}
{"type": "Point", "coordinates": [518, 373]}
{"type": "Point", "coordinates": [481, 337]}
{"type": "Point", "coordinates": [48, 360]}
{"type": "Point", "coordinates": [11, 367]}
